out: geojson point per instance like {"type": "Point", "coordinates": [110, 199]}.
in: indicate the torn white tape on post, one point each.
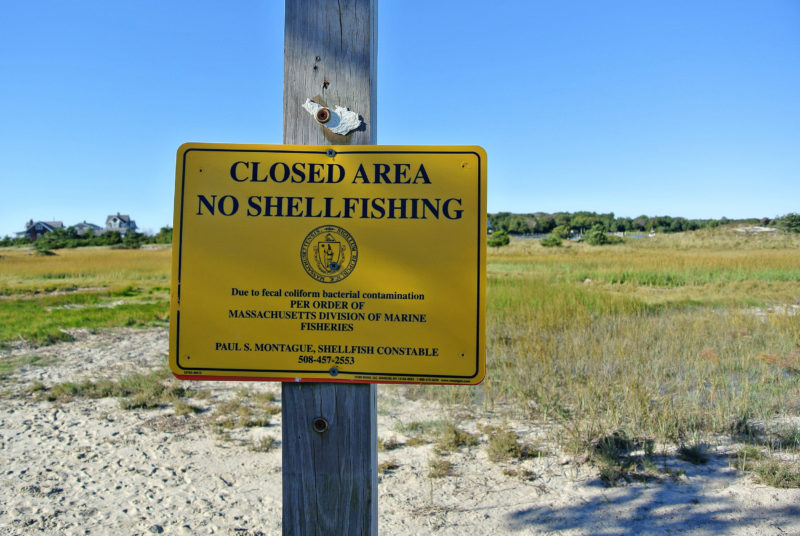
{"type": "Point", "coordinates": [342, 121]}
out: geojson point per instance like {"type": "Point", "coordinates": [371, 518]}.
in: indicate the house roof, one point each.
{"type": "Point", "coordinates": [85, 227]}
{"type": "Point", "coordinates": [122, 217]}
{"type": "Point", "coordinates": [49, 224]}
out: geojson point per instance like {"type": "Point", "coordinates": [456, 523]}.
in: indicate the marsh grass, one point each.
{"type": "Point", "coordinates": [694, 335]}
{"type": "Point", "coordinates": [768, 469]}
{"type": "Point", "coordinates": [8, 365]}
{"type": "Point", "coordinates": [525, 475]}
{"type": "Point", "coordinates": [621, 459]}
{"type": "Point", "coordinates": [94, 266]}
{"type": "Point", "coordinates": [440, 468]}
{"type": "Point", "coordinates": [787, 438]}
{"type": "Point", "coordinates": [389, 444]}
{"type": "Point", "coordinates": [663, 340]}
{"type": "Point", "coordinates": [40, 297]}
{"type": "Point", "coordinates": [696, 453]}
{"type": "Point", "coordinates": [389, 466]}
{"type": "Point", "coordinates": [421, 432]}
{"type": "Point", "coordinates": [24, 319]}
{"type": "Point", "coordinates": [263, 444]}
{"type": "Point", "coordinates": [776, 437]}
{"type": "Point", "coordinates": [139, 391]}
{"type": "Point", "coordinates": [665, 375]}
{"type": "Point", "coordinates": [504, 445]}
{"type": "Point", "coordinates": [452, 439]}
{"type": "Point", "coordinates": [185, 408]}
{"type": "Point", "coordinates": [416, 441]}
{"type": "Point", "coordinates": [247, 409]}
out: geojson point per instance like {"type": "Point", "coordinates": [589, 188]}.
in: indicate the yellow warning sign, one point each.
{"type": "Point", "coordinates": [317, 263]}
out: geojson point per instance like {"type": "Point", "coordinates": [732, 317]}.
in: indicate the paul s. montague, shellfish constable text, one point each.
{"type": "Point", "coordinates": [352, 207]}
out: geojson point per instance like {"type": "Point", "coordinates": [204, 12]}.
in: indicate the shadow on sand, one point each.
{"type": "Point", "coordinates": [704, 503]}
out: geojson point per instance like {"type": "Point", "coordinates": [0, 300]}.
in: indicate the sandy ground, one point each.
{"type": "Point", "coordinates": [89, 467]}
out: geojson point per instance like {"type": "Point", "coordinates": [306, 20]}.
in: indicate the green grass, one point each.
{"type": "Point", "coordinates": [504, 445]}
{"type": "Point", "coordinates": [184, 408]}
{"type": "Point", "coordinates": [428, 428]}
{"type": "Point", "coordinates": [263, 444]}
{"type": "Point", "coordinates": [9, 365]}
{"type": "Point", "coordinates": [695, 453]}
{"type": "Point", "coordinates": [452, 439]}
{"type": "Point", "coordinates": [663, 339]}
{"type": "Point", "coordinates": [621, 459]}
{"type": "Point", "coordinates": [389, 444]}
{"type": "Point", "coordinates": [152, 390]}
{"type": "Point", "coordinates": [91, 287]}
{"type": "Point", "coordinates": [25, 319]}
{"type": "Point", "coordinates": [440, 468]}
{"type": "Point", "coordinates": [389, 466]}
{"type": "Point", "coordinates": [247, 409]}
{"type": "Point", "coordinates": [767, 469]}
{"type": "Point", "coordinates": [656, 339]}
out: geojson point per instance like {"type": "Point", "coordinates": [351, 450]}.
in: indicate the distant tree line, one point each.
{"type": "Point", "coordinates": [564, 223]}
{"type": "Point", "coordinates": [68, 237]}
{"type": "Point", "coordinates": [789, 222]}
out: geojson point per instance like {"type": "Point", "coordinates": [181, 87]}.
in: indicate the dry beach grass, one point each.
{"type": "Point", "coordinates": [649, 388]}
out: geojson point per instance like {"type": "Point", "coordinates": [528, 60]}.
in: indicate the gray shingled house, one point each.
{"type": "Point", "coordinates": [122, 223]}
{"type": "Point", "coordinates": [35, 229]}
{"type": "Point", "coordinates": [85, 228]}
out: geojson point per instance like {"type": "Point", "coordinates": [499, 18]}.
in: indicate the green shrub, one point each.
{"type": "Point", "coordinates": [439, 468]}
{"type": "Point", "coordinates": [562, 232]}
{"type": "Point", "coordinates": [132, 240]}
{"type": "Point", "coordinates": [498, 239]}
{"type": "Point", "coordinates": [503, 445]}
{"type": "Point", "coordinates": [596, 236]}
{"type": "Point", "coordinates": [550, 242]}
{"type": "Point", "coordinates": [69, 238]}
{"type": "Point", "coordinates": [790, 222]}
{"type": "Point", "coordinates": [695, 453]}
{"type": "Point", "coordinates": [164, 236]}
{"type": "Point", "coordinates": [767, 469]}
{"type": "Point", "coordinates": [452, 439]}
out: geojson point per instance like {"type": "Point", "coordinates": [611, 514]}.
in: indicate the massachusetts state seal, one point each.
{"type": "Point", "coordinates": [329, 254]}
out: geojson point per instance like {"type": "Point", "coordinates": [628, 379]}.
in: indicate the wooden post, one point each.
{"type": "Point", "coordinates": [330, 482]}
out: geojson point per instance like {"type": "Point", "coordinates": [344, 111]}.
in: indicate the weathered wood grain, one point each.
{"type": "Point", "coordinates": [329, 479]}
{"type": "Point", "coordinates": [330, 56]}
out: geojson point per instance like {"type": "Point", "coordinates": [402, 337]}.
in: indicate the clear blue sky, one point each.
{"type": "Point", "coordinates": [684, 108]}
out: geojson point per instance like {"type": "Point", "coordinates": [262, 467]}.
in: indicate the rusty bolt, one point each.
{"type": "Point", "coordinates": [323, 115]}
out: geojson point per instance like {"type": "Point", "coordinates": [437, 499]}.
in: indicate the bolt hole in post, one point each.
{"type": "Point", "coordinates": [320, 425]}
